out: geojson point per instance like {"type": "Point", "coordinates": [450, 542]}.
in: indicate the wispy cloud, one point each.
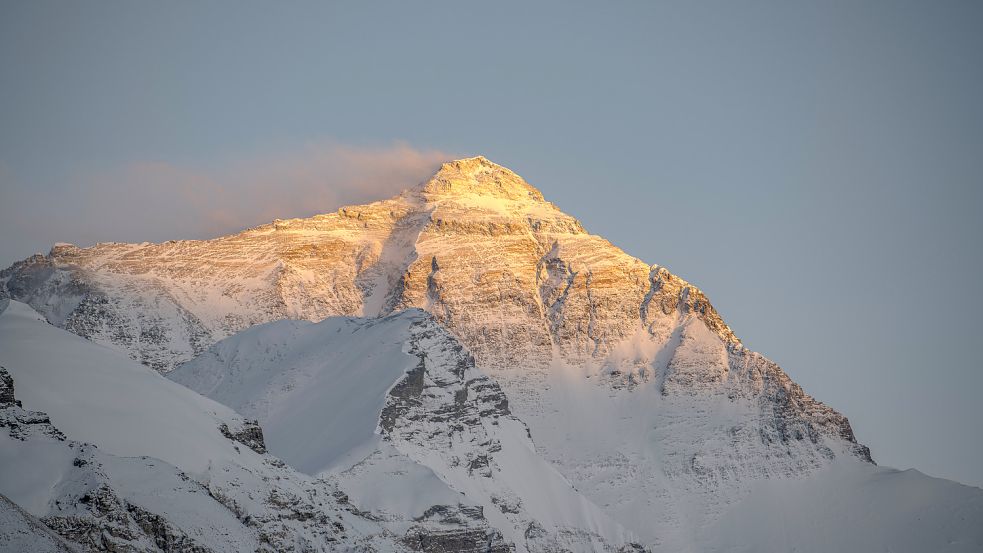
{"type": "Point", "coordinates": [247, 192]}
{"type": "Point", "coordinates": [154, 200]}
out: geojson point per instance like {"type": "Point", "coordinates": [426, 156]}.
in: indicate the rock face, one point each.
{"type": "Point", "coordinates": [250, 436]}
{"type": "Point", "coordinates": [20, 423]}
{"type": "Point", "coordinates": [588, 344]}
{"type": "Point", "coordinates": [6, 389]}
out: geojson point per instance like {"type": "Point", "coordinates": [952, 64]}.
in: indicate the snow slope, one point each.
{"type": "Point", "coordinates": [317, 389]}
{"type": "Point", "coordinates": [707, 473]}
{"type": "Point", "coordinates": [852, 507]}
{"type": "Point", "coordinates": [120, 405]}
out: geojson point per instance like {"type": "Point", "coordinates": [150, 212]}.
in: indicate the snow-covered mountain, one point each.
{"type": "Point", "coordinates": [478, 343]}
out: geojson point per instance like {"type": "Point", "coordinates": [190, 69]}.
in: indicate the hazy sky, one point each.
{"type": "Point", "coordinates": [817, 168]}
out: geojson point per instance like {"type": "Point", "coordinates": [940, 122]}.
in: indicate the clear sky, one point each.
{"type": "Point", "coordinates": [816, 168]}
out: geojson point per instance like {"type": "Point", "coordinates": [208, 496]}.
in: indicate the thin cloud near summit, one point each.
{"type": "Point", "coordinates": [161, 200]}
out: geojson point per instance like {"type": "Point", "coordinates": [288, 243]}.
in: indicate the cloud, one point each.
{"type": "Point", "coordinates": [156, 201]}
{"type": "Point", "coordinates": [319, 178]}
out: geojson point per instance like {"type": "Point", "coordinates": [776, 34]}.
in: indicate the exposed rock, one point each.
{"type": "Point", "coordinates": [251, 435]}
{"type": "Point", "coordinates": [467, 538]}
{"type": "Point", "coordinates": [20, 423]}
{"type": "Point", "coordinates": [456, 541]}
{"type": "Point", "coordinates": [7, 389]}
{"type": "Point", "coordinates": [108, 523]}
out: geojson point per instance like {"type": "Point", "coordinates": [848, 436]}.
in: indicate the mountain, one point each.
{"type": "Point", "coordinates": [635, 406]}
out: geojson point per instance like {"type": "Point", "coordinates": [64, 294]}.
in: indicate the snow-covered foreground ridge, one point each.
{"type": "Point", "coordinates": [111, 456]}
{"type": "Point", "coordinates": [569, 395]}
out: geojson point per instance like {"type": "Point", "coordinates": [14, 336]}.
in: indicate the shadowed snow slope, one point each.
{"type": "Point", "coordinates": [317, 389]}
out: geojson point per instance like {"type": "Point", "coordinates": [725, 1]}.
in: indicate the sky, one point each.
{"type": "Point", "coordinates": [816, 168]}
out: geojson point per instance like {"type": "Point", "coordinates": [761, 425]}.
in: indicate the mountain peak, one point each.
{"type": "Point", "coordinates": [477, 176]}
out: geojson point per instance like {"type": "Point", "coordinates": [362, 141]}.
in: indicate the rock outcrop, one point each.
{"type": "Point", "coordinates": [250, 435]}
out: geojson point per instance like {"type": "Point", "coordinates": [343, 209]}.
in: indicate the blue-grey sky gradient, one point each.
{"type": "Point", "coordinates": [817, 168]}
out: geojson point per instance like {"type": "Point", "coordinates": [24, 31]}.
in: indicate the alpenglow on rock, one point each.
{"type": "Point", "coordinates": [631, 385]}
{"type": "Point", "coordinates": [475, 245]}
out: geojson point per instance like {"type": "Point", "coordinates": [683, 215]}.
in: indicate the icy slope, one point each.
{"type": "Point", "coordinates": [317, 389]}
{"type": "Point", "coordinates": [322, 390]}
{"type": "Point", "coordinates": [128, 459]}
